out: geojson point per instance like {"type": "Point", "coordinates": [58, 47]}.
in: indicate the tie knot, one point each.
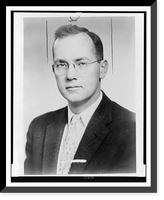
{"type": "Point", "coordinates": [75, 119]}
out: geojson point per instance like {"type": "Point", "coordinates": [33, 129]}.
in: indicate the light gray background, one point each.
{"type": "Point", "coordinates": [40, 91]}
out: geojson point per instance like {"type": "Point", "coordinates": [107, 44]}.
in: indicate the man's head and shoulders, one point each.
{"type": "Point", "coordinates": [79, 67]}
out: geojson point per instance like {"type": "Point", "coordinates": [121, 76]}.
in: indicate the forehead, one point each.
{"type": "Point", "coordinates": [74, 46]}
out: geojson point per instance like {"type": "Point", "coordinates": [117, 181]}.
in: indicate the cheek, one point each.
{"type": "Point", "coordinates": [91, 81]}
{"type": "Point", "coordinates": [60, 83]}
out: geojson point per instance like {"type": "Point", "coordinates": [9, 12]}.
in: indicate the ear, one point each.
{"type": "Point", "coordinates": [53, 68]}
{"type": "Point", "coordinates": [103, 68]}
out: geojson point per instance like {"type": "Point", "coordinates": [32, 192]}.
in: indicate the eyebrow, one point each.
{"type": "Point", "coordinates": [60, 60]}
{"type": "Point", "coordinates": [83, 58]}
{"type": "Point", "coordinates": [76, 60]}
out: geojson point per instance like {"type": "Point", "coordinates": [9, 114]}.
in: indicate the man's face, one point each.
{"type": "Point", "coordinates": [78, 88]}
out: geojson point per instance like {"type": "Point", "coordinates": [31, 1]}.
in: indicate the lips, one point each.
{"type": "Point", "coordinates": [73, 87]}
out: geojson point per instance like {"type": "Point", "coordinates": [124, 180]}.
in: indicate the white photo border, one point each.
{"type": "Point", "coordinates": [147, 183]}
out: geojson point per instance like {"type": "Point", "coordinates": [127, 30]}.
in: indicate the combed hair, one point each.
{"type": "Point", "coordinates": [68, 30]}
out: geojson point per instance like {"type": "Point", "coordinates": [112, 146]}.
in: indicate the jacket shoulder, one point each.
{"type": "Point", "coordinates": [116, 111]}
{"type": "Point", "coordinates": [122, 113]}
{"type": "Point", "coordinates": [47, 118]}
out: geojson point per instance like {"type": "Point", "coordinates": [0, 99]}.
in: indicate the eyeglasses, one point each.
{"type": "Point", "coordinates": [61, 68]}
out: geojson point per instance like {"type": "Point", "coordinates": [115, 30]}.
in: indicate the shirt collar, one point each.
{"type": "Point", "coordinates": [86, 114]}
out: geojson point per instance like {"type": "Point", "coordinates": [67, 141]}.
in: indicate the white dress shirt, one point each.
{"type": "Point", "coordinates": [85, 117]}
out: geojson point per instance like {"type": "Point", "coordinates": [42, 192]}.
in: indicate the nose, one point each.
{"type": "Point", "coordinates": [71, 72]}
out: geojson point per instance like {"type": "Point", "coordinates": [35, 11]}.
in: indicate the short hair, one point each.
{"type": "Point", "coordinates": [69, 30]}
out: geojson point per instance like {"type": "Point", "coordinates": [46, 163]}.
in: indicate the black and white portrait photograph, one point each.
{"type": "Point", "coordinates": [92, 134]}
{"type": "Point", "coordinates": [80, 96]}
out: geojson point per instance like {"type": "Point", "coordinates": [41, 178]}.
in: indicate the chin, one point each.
{"type": "Point", "coordinates": [77, 98]}
{"type": "Point", "coordinates": [74, 99]}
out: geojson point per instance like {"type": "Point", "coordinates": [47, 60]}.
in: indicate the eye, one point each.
{"type": "Point", "coordinates": [61, 65]}
{"type": "Point", "coordinates": [81, 64]}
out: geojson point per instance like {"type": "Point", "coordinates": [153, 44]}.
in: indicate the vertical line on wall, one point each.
{"type": "Point", "coordinates": [112, 43]}
{"type": "Point", "coordinates": [47, 41]}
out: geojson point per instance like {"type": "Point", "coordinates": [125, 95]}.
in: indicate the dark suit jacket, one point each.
{"type": "Point", "coordinates": [108, 144]}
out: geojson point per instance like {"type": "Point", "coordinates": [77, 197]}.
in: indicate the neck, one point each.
{"type": "Point", "coordinates": [79, 107]}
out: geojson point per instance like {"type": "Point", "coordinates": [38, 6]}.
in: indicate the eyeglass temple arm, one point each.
{"type": "Point", "coordinates": [95, 61]}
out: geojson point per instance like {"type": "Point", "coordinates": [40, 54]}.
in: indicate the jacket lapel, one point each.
{"type": "Point", "coordinates": [54, 133]}
{"type": "Point", "coordinates": [93, 136]}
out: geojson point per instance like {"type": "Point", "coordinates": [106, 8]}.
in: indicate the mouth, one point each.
{"type": "Point", "coordinates": [73, 87]}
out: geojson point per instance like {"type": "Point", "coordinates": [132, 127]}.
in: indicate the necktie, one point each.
{"type": "Point", "coordinates": [70, 145]}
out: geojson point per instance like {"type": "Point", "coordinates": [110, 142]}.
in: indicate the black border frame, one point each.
{"type": "Point", "coordinates": [153, 187]}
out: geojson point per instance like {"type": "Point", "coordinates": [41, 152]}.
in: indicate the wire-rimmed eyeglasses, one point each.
{"type": "Point", "coordinates": [61, 68]}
